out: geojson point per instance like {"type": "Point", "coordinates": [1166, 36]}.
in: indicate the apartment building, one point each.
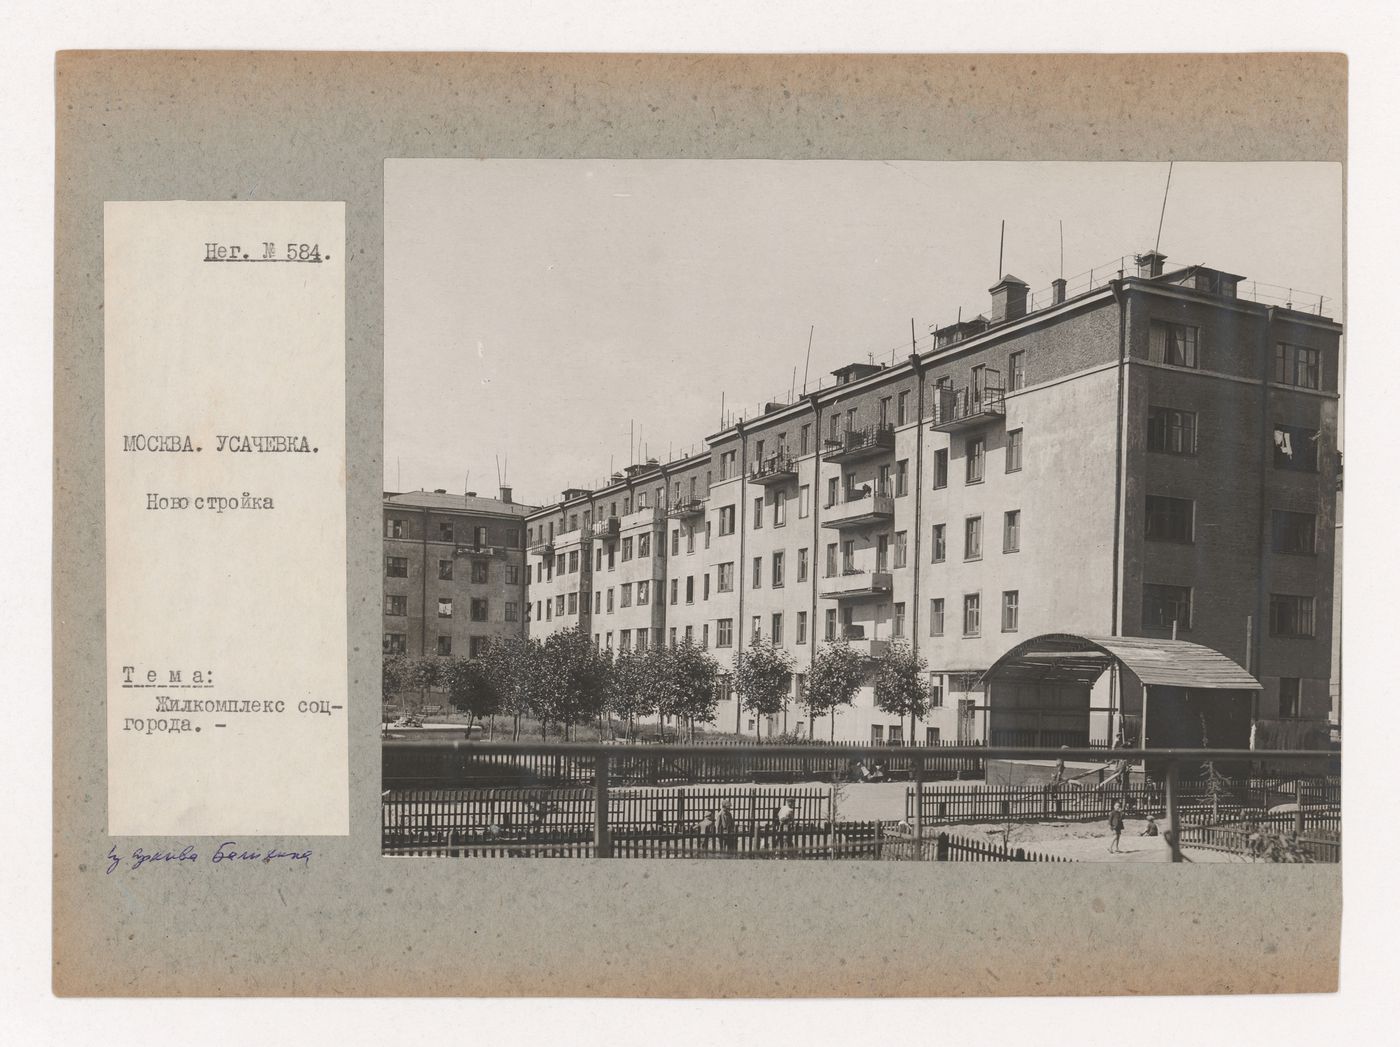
{"type": "Point", "coordinates": [1152, 455]}
{"type": "Point", "coordinates": [454, 572]}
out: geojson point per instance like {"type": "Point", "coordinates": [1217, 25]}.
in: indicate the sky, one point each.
{"type": "Point", "coordinates": [547, 313]}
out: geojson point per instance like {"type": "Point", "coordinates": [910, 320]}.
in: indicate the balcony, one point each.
{"type": "Point", "coordinates": [498, 552]}
{"type": "Point", "coordinates": [868, 647]}
{"type": "Point", "coordinates": [860, 510]}
{"type": "Point", "coordinates": [774, 469]}
{"type": "Point", "coordinates": [687, 509]}
{"type": "Point", "coordinates": [610, 527]}
{"type": "Point", "coordinates": [858, 585]}
{"type": "Point", "coordinates": [855, 445]}
{"type": "Point", "coordinates": [957, 409]}
{"type": "Point", "coordinates": [544, 548]}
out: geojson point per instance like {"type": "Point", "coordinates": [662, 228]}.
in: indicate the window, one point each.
{"type": "Point", "coordinates": [395, 528]}
{"type": "Point", "coordinates": [1011, 532]}
{"type": "Point", "coordinates": [877, 734]}
{"type": "Point", "coordinates": [778, 570]}
{"type": "Point", "coordinates": [972, 614]}
{"type": "Point", "coordinates": [642, 635]}
{"type": "Point", "coordinates": [705, 635]}
{"type": "Point", "coordinates": [610, 601]}
{"type": "Point", "coordinates": [1010, 610]}
{"type": "Point", "coordinates": [831, 559]}
{"type": "Point", "coordinates": [690, 588]}
{"type": "Point", "coordinates": [444, 570]}
{"type": "Point", "coordinates": [1297, 365]}
{"type": "Point", "coordinates": [725, 581]}
{"type": "Point", "coordinates": [775, 633]}
{"type": "Point", "coordinates": [1013, 451]}
{"type": "Point", "coordinates": [758, 450]}
{"type": "Point", "coordinates": [573, 602]}
{"type": "Point", "coordinates": [625, 595]}
{"type": "Point", "coordinates": [626, 549]}
{"type": "Point", "coordinates": [673, 636]}
{"type": "Point", "coordinates": [940, 468]}
{"type": "Point", "coordinates": [1295, 448]}
{"type": "Point", "coordinates": [706, 595]}
{"type": "Point", "coordinates": [1170, 431]}
{"type": "Point", "coordinates": [757, 572]}
{"type": "Point", "coordinates": [561, 563]}
{"type": "Point", "coordinates": [396, 605]}
{"type": "Point", "coordinates": [1289, 698]}
{"type": "Point", "coordinates": [902, 412]}
{"type": "Point", "coordinates": [972, 538]}
{"type": "Point", "coordinates": [1163, 605]}
{"type": "Point", "coordinates": [935, 693]}
{"type": "Point", "coordinates": [931, 733]}
{"type": "Point", "coordinates": [897, 627]}
{"type": "Point", "coordinates": [726, 520]}
{"type": "Point", "coordinates": [901, 478]}
{"type": "Point", "coordinates": [757, 518]}
{"type": "Point", "coordinates": [675, 591]}
{"type": "Point", "coordinates": [444, 645]}
{"type": "Point", "coordinates": [481, 569]}
{"type": "Point", "coordinates": [624, 640]}
{"type": "Point", "coordinates": [444, 607]}
{"type": "Point", "coordinates": [512, 574]}
{"type": "Point", "coordinates": [896, 734]}
{"type": "Point", "coordinates": [1295, 533]}
{"type": "Point", "coordinates": [643, 593]}
{"type": "Point", "coordinates": [801, 626]}
{"type": "Point", "coordinates": [1290, 616]}
{"type": "Point", "coordinates": [477, 646]}
{"type": "Point", "coordinates": [512, 612]}
{"type": "Point", "coordinates": [608, 641]}
{"type": "Point", "coordinates": [444, 532]}
{"type": "Point", "coordinates": [559, 605]}
{"type": "Point", "coordinates": [598, 558]}
{"type": "Point", "coordinates": [1170, 519]}
{"type": "Point", "coordinates": [901, 549]}
{"type": "Point", "coordinates": [690, 634]}
{"type": "Point", "coordinates": [707, 534]}
{"type": "Point", "coordinates": [726, 465]}
{"type": "Point", "coordinates": [1016, 371]}
{"type": "Point", "coordinates": [804, 501]}
{"type": "Point", "coordinates": [397, 566]}
{"type": "Point", "coordinates": [690, 539]}
{"type": "Point", "coordinates": [643, 546]}
{"type": "Point", "coordinates": [676, 542]}
{"type": "Point", "coordinates": [480, 610]}
{"type": "Point", "coordinates": [1175, 344]}
{"type": "Point", "coordinates": [976, 451]}
{"type": "Point", "coordinates": [848, 556]}
{"type": "Point", "coordinates": [394, 643]}
{"type": "Point", "coordinates": [724, 632]}
{"type": "Point", "coordinates": [884, 411]}
{"type": "Point", "coordinates": [882, 553]}
{"type": "Point", "coordinates": [830, 633]}
{"type": "Point", "coordinates": [940, 542]}
{"type": "Point", "coordinates": [881, 488]}
{"type": "Point", "coordinates": [598, 602]}
{"type": "Point", "coordinates": [802, 565]}
{"type": "Point", "coordinates": [935, 616]}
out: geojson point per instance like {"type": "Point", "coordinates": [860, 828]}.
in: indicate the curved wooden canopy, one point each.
{"type": "Point", "coordinates": [1072, 658]}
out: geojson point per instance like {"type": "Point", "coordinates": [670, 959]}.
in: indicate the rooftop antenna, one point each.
{"type": "Point", "coordinates": [498, 470]}
{"type": "Point", "coordinates": [1163, 215]}
{"type": "Point", "coordinates": [913, 339]}
{"type": "Point", "coordinates": [792, 389]}
{"type": "Point", "coordinates": [1062, 248]}
{"type": "Point", "coordinates": [808, 364]}
{"type": "Point", "coordinates": [721, 408]}
{"type": "Point", "coordinates": [1001, 250]}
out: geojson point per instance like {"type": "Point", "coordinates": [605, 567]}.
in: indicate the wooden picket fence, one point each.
{"type": "Point", "coordinates": [1321, 839]}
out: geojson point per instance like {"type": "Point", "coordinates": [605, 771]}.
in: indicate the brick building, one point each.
{"type": "Point", "coordinates": [1153, 453]}
{"type": "Point", "coordinates": [454, 572]}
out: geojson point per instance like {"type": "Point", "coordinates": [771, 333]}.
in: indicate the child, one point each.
{"type": "Point", "coordinates": [1115, 825]}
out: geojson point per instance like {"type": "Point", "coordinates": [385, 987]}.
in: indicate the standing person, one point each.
{"type": "Point", "coordinates": [1115, 825]}
{"type": "Point", "coordinates": [707, 831]}
{"type": "Point", "coordinates": [785, 821]}
{"type": "Point", "coordinates": [728, 831]}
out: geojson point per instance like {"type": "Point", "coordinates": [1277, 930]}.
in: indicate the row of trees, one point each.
{"type": "Point", "coordinates": [566, 680]}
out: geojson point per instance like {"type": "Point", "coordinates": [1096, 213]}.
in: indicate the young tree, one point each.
{"type": "Point", "coordinates": [512, 663]}
{"type": "Point", "coordinates": [628, 695]}
{"type": "Point", "coordinates": [901, 684]}
{"type": "Point", "coordinates": [423, 675]}
{"type": "Point", "coordinates": [835, 677]}
{"type": "Point", "coordinates": [573, 680]}
{"type": "Point", "coordinates": [395, 676]}
{"type": "Point", "coordinates": [683, 679]}
{"type": "Point", "coordinates": [471, 689]}
{"type": "Point", "coordinates": [762, 678]}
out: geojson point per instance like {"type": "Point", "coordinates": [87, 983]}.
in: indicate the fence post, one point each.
{"type": "Point", "coordinates": [918, 808]}
{"type": "Point", "coordinates": [1298, 813]}
{"type": "Point", "coordinates": [1173, 814]}
{"type": "Point", "coordinates": [942, 850]}
{"type": "Point", "coordinates": [602, 845]}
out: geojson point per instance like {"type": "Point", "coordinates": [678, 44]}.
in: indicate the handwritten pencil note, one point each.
{"type": "Point", "coordinates": [225, 518]}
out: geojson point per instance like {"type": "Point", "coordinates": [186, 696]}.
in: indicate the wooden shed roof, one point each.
{"type": "Point", "coordinates": [1068, 657]}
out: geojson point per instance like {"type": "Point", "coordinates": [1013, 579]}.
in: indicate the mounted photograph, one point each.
{"type": "Point", "coordinates": [851, 510]}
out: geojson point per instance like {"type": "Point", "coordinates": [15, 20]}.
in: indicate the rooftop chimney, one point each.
{"type": "Point", "coordinates": [505, 494]}
{"type": "Point", "coordinates": [1009, 299]}
{"type": "Point", "coordinates": [440, 490]}
{"type": "Point", "coordinates": [1149, 263]}
{"type": "Point", "coordinates": [470, 494]}
{"type": "Point", "coordinates": [1057, 290]}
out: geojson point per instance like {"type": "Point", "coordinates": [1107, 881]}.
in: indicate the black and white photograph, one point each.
{"type": "Point", "coordinates": [853, 510]}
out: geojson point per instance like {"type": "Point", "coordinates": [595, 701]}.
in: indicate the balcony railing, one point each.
{"type": "Point", "coordinates": [855, 445]}
{"type": "Point", "coordinates": [869, 646]}
{"type": "Point", "coordinates": [774, 469]}
{"type": "Point", "coordinates": [860, 508]}
{"type": "Point", "coordinates": [689, 507]}
{"type": "Point", "coordinates": [958, 409]}
{"type": "Point", "coordinates": [543, 548]}
{"type": "Point", "coordinates": [472, 549]}
{"type": "Point", "coordinates": [853, 584]}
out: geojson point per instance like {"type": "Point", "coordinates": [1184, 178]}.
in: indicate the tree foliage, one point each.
{"type": "Point", "coordinates": [470, 688]}
{"type": "Point", "coordinates": [629, 687]}
{"type": "Point", "coordinates": [762, 677]}
{"type": "Point", "coordinates": [682, 681]}
{"type": "Point", "coordinates": [571, 683]}
{"type": "Point", "coordinates": [901, 684]}
{"type": "Point", "coordinates": [396, 675]}
{"type": "Point", "coordinates": [510, 663]}
{"type": "Point", "coordinates": [835, 677]}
